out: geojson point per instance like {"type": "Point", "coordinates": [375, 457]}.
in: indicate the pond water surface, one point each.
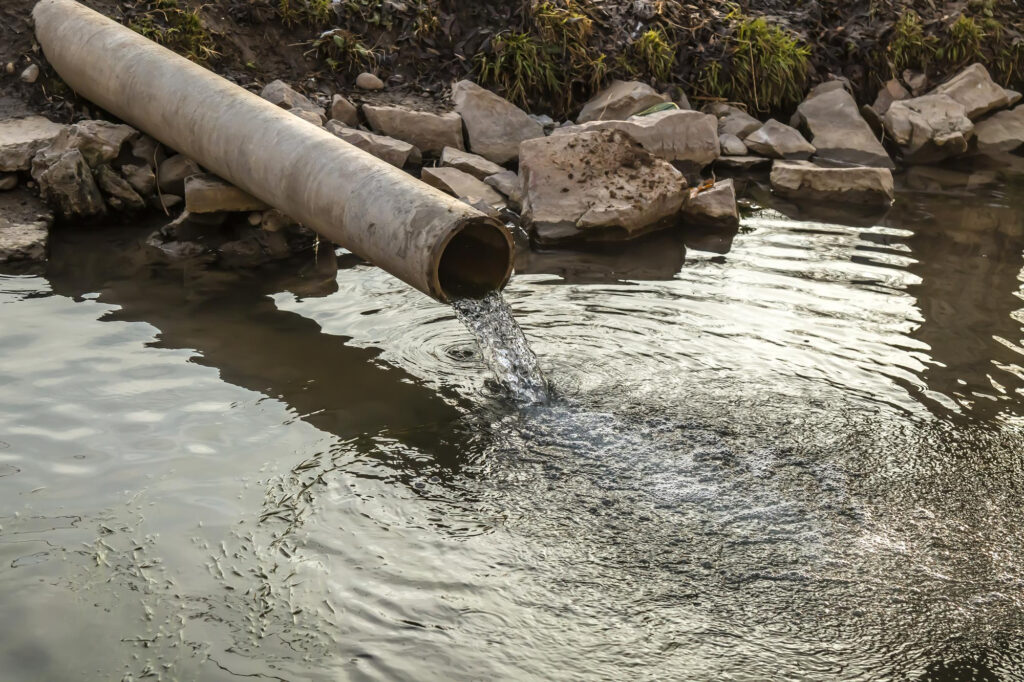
{"type": "Point", "coordinates": [799, 455]}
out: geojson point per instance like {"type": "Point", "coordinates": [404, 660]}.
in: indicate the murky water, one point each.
{"type": "Point", "coordinates": [792, 453]}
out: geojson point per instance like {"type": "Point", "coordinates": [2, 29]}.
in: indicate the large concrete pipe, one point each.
{"type": "Point", "coordinates": [434, 242]}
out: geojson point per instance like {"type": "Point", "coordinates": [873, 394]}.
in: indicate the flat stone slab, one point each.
{"type": "Point", "coordinates": [714, 207]}
{"type": "Point", "coordinates": [838, 132]}
{"type": "Point", "coordinates": [494, 126]}
{"type": "Point", "coordinates": [974, 88]}
{"type": "Point", "coordinates": [619, 101]}
{"type": "Point", "coordinates": [429, 132]}
{"type": "Point", "coordinates": [477, 166]}
{"type": "Point", "coordinates": [741, 162]}
{"type": "Point", "coordinates": [21, 138]}
{"type": "Point", "coordinates": [803, 180]}
{"type": "Point", "coordinates": [462, 185]}
{"type": "Point", "coordinates": [1002, 132]}
{"type": "Point", "coordinates": [207, 193]}
{"type": "Point", "coordinates": [25, 223]}
{"type": "Point", "coordinates": [395, 152]}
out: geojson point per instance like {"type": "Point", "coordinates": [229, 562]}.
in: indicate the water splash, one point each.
{"type": "Point", "coordinates": [503, 345]}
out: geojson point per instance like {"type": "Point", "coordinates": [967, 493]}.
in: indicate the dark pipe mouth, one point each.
{"type": "Point", "coordinates": [476, 259]}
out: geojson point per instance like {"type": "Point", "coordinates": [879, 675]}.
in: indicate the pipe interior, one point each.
{"type": "Point", "coordinates": [476, 260]}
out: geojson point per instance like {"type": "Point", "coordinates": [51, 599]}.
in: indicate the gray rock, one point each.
{"type": "Point", "coordinates": [619, 101]}
{"type": "Point", "coordinates": [597, 185]}
{"type": "Point", "coordinates": [682, 101]}
{"type": "Point", "coordinates": [31, 74]}
{"type": "Point", "coordinates": [833, 124]}
{"type": "Point", "coordinates": [462, 185]}
{"type": "Point", "coordinates": [741, 163]}
{"type": "Point", "coordinates": [206, 193]}
{"type": "Point", "coordinates": [829, 86]}
{"type": "Point", "coordinates": [477, 166]}
{"type": "Point", "coordinates": [100, 142]}
{"type": "Point", "coordinates": [22, 138]}
{"type": "Point", "coordinates": [714, 207]}
{"type": "Point", "coordinates": [732, 121]}
{"type": "Point", "coordinates": [165, 202]}
{"type": "Point", "coordinates": [66, 182]}
{"type": "Point", "coordinates": [367, 81]}
{"type": "Point", "coordinates": [429, 132]}
{"type": "Point", "coordinates": [507, 182]}
{"type": "Point", "coordinates": [283, 95]}
{"type": "Point", "coordinates": [1013, 97]}
{"type": "Point", "coordinates": [891, 92]}
{"type": "Point", "coordinates": [309, 117]}
{"type": "Point", "coordinates": [172, 174]}
{"type": "Point", "coordinates": [1002, 132]}
{"type": "Point", "coordinates": [732, 145]}
{"type": "Point", "coordinates": [916, 81]}
{"type": "Point", "coordinates": [495, 127]}
{"type": "Point", "coordinates": [8, 181]}
{"type": "Point", "coordinates": [975, 89]}
{"type": "Point", "coordinates": [687, 137]}
{"type": "Point", "coordinates": [148, 151]}
{"type": "Point", "coordinates": [395, 152]}
{"type": "Point", "coordinates": [276, 221]}
{"type": "Point", "coordinates": [25, 223]}
{"type": "Point", "coordinates": [929, 128]}
{"type": "Point", "coordinates": [120, 195]}
{"type": "Point", "coordinates": [141, 178]}
{"type": "Point", "coordinates": [344, 111]}
{"type": "Point", "coordinates": [779, 141]}
{"type": "Point", "coordinates": [802, 180]}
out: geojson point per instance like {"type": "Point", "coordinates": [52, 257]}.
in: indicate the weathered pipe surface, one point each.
{"type": "Point", "coordinates": [434, 242]}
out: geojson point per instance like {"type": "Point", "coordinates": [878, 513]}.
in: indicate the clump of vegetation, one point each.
{"type": "Point", "coordinates": [314, 13]}
{"type": "Point", "coordinates": [519, 65]}
{"type": "Point", "coordinates": [178, 28]}
{"type": "Point", "coordinates": [343, 50]}
{"type": "Point", "coordinates": [766, 66]}
{"type": "Point", "coordinates": [909, 47]}
{"type": "Point", "coordinates": [654, 53]}
{"type": "Point", "coordinates": [963, 43]}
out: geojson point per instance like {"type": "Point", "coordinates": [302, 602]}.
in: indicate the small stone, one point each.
{"type": "Point", "coordinates": [395, 152]}
{"type": "Point", "coordinates": [31, 74]}
{"type": "Point", "coordinates": [714, 207]}
{"type": "Point", "coordinates": [507, 182]}
{"type": "Point", "coordinates": [283, 95]}
{"type": "Point", "coordinates": [1013, 97]}
{"type": "Point", "coordinates": [206, 193]}
{"type": "Point", "coordinates": [344, 111]}
{"type": "Point", "coordinates": [732, 145]}
{"type": "Point", "coordinates": [368, 81]}
{"type": "Point", "coordinates": [9, 68]}
{"type": "Point", "coordinates": [120, 195]}
{"type": "Point", "coordinates": [732, 120]}
{"type": "Point", "coordinates": [275, 221]}
{"type": "Point", "coordinates": [462, 185]}
{"type": "Point", "coordinates": [779, 141]}
{"type": "Point", "coordinates": [66, 181]}
{"type": "Point", "coordinates": [494, 126]}
{"type": "Point", "coordinates": [165, 202]}
{"type": "Point", "coordinates": [141, 178]}
{"type": "Point", "coordinates": [916, 81]}
{"type": "Point", "coordinates": [427, 131]}
{"type": "Point", "coordinates": [8, 181]}
{"type": "Point", "coordinates": [172, 174]}
{"type": "Point", "coordinates": [893, 91]}
{"type": "Point", "coordinates": [475, 165]}
{"type": "Point", "coordinates": [25, 223]}
{"type": "Point", "coordinates": [309, 116]}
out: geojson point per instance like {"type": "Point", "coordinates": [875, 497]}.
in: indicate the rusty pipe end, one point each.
{"type": "Point", "coordinates": [474, 260]}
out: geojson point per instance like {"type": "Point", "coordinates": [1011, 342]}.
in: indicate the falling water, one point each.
{"type": "Point", "coordinates": [503, 345]}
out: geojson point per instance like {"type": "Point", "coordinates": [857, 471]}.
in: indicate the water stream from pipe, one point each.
{"type": "Point", "coordinates": [503, 346]}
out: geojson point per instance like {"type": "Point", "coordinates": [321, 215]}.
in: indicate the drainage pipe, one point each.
{"type": "Point", "coordinates": [430, 240]}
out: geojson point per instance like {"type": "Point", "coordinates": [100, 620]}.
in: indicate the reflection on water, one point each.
{"type": "Point", "coordinates": [791, 452]}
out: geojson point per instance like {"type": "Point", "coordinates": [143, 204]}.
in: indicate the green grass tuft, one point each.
{"type": "Point", "coordinates": [178, 28]}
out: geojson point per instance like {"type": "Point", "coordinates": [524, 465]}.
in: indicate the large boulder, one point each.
{"type": "Point", "coordinates": [66, 182]}
{"type": "Point", "coordinates": [598, 185]}
{"type": "Point", "coordinates": [833, 123]}
{"type": "Point", "coordinates": [206, 193]}
{"type": "Point", "coordinates": [462, 185]}
{"type": "Point", "coordinates": [24, 227]}
{"type": "Point", "coordinates": [929, 128]}
{"type": "Point", "coordinates": [619, 101]}
{"type": "Point", "coordinates": [802, 180]}
{"type": "Point", "coordinates": [22, 138]}
{"type": "Point", "coordinates": [974, 88]}
{"type": "Point", "coordinates": [1002, 132]}
{"type": "Point", "coordinates": [714, 207]}
{"type": "Point", "coordinates": [495, 127]}
{"type": "Point", "coordinates": [732, 120]}
{"type": "Point", "coordinates": [429, 132]}
{"type": "Point", "coordinates": [686, 137]}
{"type": "Point", "coordinates": [395, 152]}
{"type": "Point", "coordinates": [779, 141]}
{"type": "Point", "coordinates": [283, 95]}
{"type": "Point", "coordinates": [474, 164]}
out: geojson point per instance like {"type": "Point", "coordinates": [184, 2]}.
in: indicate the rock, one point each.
{"type": "Point", "coordinates": [344, 111]}
{"type": "Point", "coordinates": [682, 101]}
{"type": "Point", "coordinates": [120, 195]}
{"type": "Point", "coordinates": [733, 121]}
{"type": "Point", "coordinates": [929, 128]}
{"type": "Point", "coordinates": [507, 182]}
{"type": "Point", "coordinates": [1013, 97]}
{"type": "Point", "coordinates": [715, 207]}
{"type": "Point", "coordinates": [174, 251]}
{"type": "Point", "coordinates": [25, 223]}
{"type": "Point", "coordinates": [687, 137]}
{"type": "Point", "coordinates": [206, 193]}
{"type": "Point", "coordinates": [893, 91]}
{"type": "Point", "coordinates": [732, 145]}
{"type": "Point", "coordinates": [141, 178]}
{"type": "Point", "coordinates": [395, 152]}
{"type": "Point", "coordinates": [309, 116]}
{"type": "Point", "coordinates": [255, 219]}
{"type": "Point", "coordinates": [779, 141]}
{"type": "Point", "coordinates": [9, 68]}
{"type": "Point", "coordinates": [546, 121]}
{"type": "Point", "coordinates": [1002, 132]}
{"type": "Point", "coordinates": [173, 171]}
{"type": "Point", "coordinates": [283, 95]}
{"type": "Point", "coordinates": [165, 202]}
{"type": "Point", "coordinates": [833, 124]}
{"type": "Point", "coordinates": [976, 90]}
{"type": "Point", "coordinates": [462, 185]}
{"type": "Point", "coordinates": [495, 127]}
{"type": "Point", "coordinates": [275, 221]}
{"type": "Point", "coordinates": [31, 74]}
{"type": "Point", "coordinates": [477, 166]}
{"type": "Point", "coordinates": [100, 142]}
{"type": "Point", "coordinates": [741, 163]}
{"type": "Point", "coordinates": [8, 181]}
{"type": "Point", "coordinates": [429, 132]}
{"type": "Point", "coordinates": [190, 227]}
{"type": "Point", "coordinates": [804, 180]}
{"type": "Point", "coordinates": [147, 150]}
{"type": "Point", "coordinates": [916, 81]}
{"type": "Point", "coordinates": [619, 101]}
{"type": "Point", "coordinates": [22, 138]}
{"type": "Point", "coordinates": [597, 185]}
{"type": "Point", "coordinates": [66, 182]}
{"type": "Point", "coordinates": [829, 86]}
{"type": "Point", "coordinates": [367, 81]}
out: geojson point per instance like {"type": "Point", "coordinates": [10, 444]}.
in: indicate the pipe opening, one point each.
{"type": "Point", "coordinates": [476, 260]}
